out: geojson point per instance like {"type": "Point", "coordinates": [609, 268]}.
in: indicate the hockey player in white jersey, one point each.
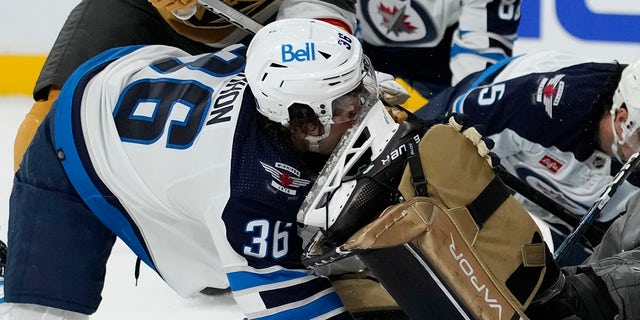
{"type": "Point", "coordinates": [435, 44]}
{"type": "Point", "coordinates": [552, 117]}
{"type": "Point", "coordinates": [90, 29]}
{"type": "Point", "coordinates": [198, 163]}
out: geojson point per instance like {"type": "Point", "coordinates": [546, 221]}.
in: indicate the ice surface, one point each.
{"type": "Point", "coordinates": [151, 299]}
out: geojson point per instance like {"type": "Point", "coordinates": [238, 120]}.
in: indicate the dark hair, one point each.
{"type": "Point", "coordinates": [301, 118]}
{"type": "Point", "coordinates": [604, 101]}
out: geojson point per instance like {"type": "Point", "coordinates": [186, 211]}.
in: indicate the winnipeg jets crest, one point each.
{"type": "Point", "coordinates": [398, 21]}
{"type": "Point", "coordinates": [285, 178]}
{"type": "Point", "coordinates": [395, 19]}
{"type": "Point", "coordinates": [550, 92]}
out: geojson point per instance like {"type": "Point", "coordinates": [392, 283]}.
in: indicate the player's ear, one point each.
{"type": "Point", "coordinates": [620, 118]}
{"type": "Point", "coordinates": [622, 114]}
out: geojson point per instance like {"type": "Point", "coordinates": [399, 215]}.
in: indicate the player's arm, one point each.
{"type": "Point", "coordinates": [281, 293]}
{"type": "Point", "coordinates": [341, 13]}
{"type": "Point", "coordinates": [261, 256]}
{"type": "Point", "coordinates": [485, 34]}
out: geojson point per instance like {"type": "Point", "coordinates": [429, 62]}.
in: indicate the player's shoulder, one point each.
{"type": "Point", "coordinates": [155, 52]}
{"type": "Point", "coordinates": [344, 4]}
{"type": "Point", "coordinates": [155, 61]}
{"type": "Point", "coordinates": [549, 61]}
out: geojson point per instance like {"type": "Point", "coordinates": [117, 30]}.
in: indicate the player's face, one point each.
{"type": "Point", "coordinates": [631, 146]}
{"type": "Point", "coordinates": [324, 140]}
{"type": "Point", "coordinates": [347, 107]}
{"type": "Point", "coordinates": [345, 111]}
{"type": "Point", "coordinates": [329, 143]}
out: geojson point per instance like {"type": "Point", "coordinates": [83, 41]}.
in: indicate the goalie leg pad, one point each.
{"type": "Point", "coordinates": [364, 297]}
{"type": "Point", "coordinates": [478, 237]}
{"type": "Point", "coordinates": [495, 279]}
{"type": "Point", "coordinates": [495, 227]}
{"type": "Point", "coordinates": [24, 311]}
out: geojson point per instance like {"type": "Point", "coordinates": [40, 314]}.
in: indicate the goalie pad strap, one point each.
{"type": "Point", "coordinates": [418, 180]}
{"type": "Point", "coordinates": [488, 201]}
{"type": "Point", "coordinates": [535, 256]}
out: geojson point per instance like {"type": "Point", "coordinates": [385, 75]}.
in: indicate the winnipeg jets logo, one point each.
{"type": "Point", "coordinates": [550, 93]}
{"type": "Point", "coordinates": [285, 178]}
{"type": "Point", "coordinates": [395, 20]}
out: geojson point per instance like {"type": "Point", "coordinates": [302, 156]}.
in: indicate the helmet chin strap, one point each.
{"type": "Point", "coordinates": [314, 141]}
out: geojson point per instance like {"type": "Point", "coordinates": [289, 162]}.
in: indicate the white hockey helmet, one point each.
{"type": "Point", "coordinates": [308, 62]}
{"type": "Point", "coordinates": [627, 94]}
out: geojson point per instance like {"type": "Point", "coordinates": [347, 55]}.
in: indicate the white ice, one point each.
{"type": "Point", "coordinates": [151, 299]}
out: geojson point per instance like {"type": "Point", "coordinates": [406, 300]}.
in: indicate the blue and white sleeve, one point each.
{"type": "Point", "coordinates": [277, 293]}
{"type": "Point", "coordinates": [486, 32]}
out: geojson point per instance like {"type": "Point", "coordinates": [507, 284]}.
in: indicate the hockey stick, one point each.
{"type": "Point", "coordinates": [232, 15]}
{"type": "Point", "coordinates": [593, 213]}
{"type": "Point", "coordinates": [314, 254]}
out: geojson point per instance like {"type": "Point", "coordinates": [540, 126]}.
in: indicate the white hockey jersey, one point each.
{"type": "Point", "coordinates": [543, 112]}
{"type": "Point", "coordinates": [167, 151]}
{"type": "Point", "coordinates": [437, 40]}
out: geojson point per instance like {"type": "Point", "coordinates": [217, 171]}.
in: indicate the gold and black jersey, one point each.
{"type": "Point", "coordinates": [207, 19]}
{"type": "Point", "coordinates": [207, 27]}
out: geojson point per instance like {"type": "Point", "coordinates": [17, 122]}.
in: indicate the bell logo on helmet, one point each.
{"type": "Point", "coordinates": [306, 54]}
{"type": "Point", "coordinates": [283, 67]}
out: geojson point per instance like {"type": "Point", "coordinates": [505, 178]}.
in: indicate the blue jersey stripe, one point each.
{"type": "Point", "coordinates": [77, 173]}
{"type": "Point", "coordinates": [456, 50]}
{"type": "Point", "coordinates": [244, 280]}
{"type": "Point", "coordinates": [310, 310]}
{"type": "Point", "coordinates": [284, 295]}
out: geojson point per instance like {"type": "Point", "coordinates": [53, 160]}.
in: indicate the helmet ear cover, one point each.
{"type": "Point", "coordinates": [627, 96]}
{"type": "Point", "coordinates": [303, 61]}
